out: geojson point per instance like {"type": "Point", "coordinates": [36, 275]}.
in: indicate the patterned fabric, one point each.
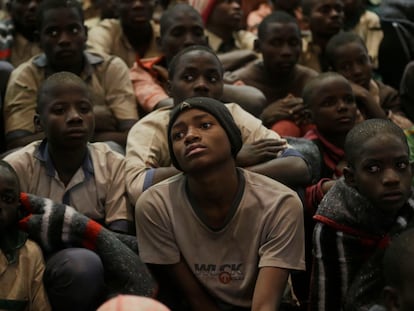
{"type": "Point", "coordinates": [349, 242]}
{"type": "Point", "coordinates": [55, 226]}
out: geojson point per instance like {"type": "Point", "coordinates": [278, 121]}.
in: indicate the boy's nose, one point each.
{"type": "Point", "coordinates": [73, 115]}
{"type": "Point", "coordinates": [192, 135]}
{"type": "Point", "coordinates": [390, 176]}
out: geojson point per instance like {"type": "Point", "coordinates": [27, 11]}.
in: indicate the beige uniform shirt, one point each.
{"type": "Point", "coordinates": [100, 73]}
{"type": "Point", "coordinates": [107, 37]}
{"type": "Point", "coordinates": [22, 281]}
{"type": "Point", "coordinates": [147, 144]}
{"type": "Point", "coordinates": [97, 189]}
{"type": "Point", "coordinates": [265, 230]}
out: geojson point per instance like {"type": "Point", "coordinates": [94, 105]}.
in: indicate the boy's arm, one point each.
{"type": "Point", "coordinates": [289, 170]}
{"type": "Point", "coordinates": [270, 285]}
{"type": "Point", "coordinates": [367, 103]}
{"type": "Point", "coordinates": [181, 277]}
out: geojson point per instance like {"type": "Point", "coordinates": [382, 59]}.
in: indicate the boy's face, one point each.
{"type": "Point", "coordinates": [63, 37]}
{"type": "Point", "coordinates": [23, 13]}
{"type": "Point", "coordinates": [352, 61]}
{"type": "Point", "coordinates": [182, 30]}
{"type": "Point", "coordinates": [326, 17]}
{"type": "Point", "coordinates": [333, 106]}
{"type": "Point", "coordinates": [226, 13]}
{"type": "Point", "coordinates": [9, 200]}
{"type": "Point", "coordinates": [199, 141]}
{"type": "Point", "coordinates": [67, 117]}
{"type": "Point", "coordinates": [198, 73]}
{"type": "Point", "coordinates": [135, 12]}
{"type": "Point", "coordinates": [382, 173]}
{"type": "Point", "coordinates": [280, 48]}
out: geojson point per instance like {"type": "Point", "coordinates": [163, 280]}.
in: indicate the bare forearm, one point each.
{"type": "Point", "coordinates": [21, 141]}
{"type": "Point", "coordinates": [291, 171]}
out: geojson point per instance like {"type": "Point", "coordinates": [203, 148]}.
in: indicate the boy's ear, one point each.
{"type": "Point", "coordinates": [349, 176]}
{"type": "Point", "coordinates": [391, 298]}
{"type": "Point", "coordinates": [256, 46]}
{"type": "Point", "coordinates": [37, 123]}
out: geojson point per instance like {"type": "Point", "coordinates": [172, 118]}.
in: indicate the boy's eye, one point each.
{"type": "Point", "coordinates": [58, 110]}
{"type": "Point", "coordinates": [177, 135]}
{"type": "Point", "coordinates": [328, 103]}
{"type": "Point", "coordinates": [213, 79]}
{"type": "Point", "coordinates": [188, 77]}
{"type": "Point", "coordinates": [402, 165]}
{"type": "Point", "coordinates": [373, 168]}
{"type": "Point", "coordinates": [206, 125]}
{"type": "Point", "coordinates": [85, 108]}
{"type": "Point", "coordinates": [52, 33]}
{"type": "Point", "coordinates": [75, 30]}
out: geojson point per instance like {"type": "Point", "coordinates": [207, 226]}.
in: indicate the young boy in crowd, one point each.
{"type": "Point", "coordinates": [21, 260]}
{"type": "Point", "coordinates": [347, 54]}
{"type": "Point", "coordinates": [196, 71]}
{"type": "Point", "coordinates": [182, 26]}
{"type": "Point", "coordinates": [217, 203]}
{"type": "Point", "coordinates": [359, 216]}
{"type": "Point", "coordinates": [398, 273]}
{"type": "Point", "coordinates": [64, 166]}
{"type": "Point", "coordinates": [62, 38]}
{"type": "Point", "coordinates": [325, 19]}
{"type": "Point", "coordinates": [278, 75]}
{"type": "Point", "coordinates": [131, 36]}
{"type": "Point", "coordinates": [332, 106]}
{"type": "Point", "coordinates": [223, 21]}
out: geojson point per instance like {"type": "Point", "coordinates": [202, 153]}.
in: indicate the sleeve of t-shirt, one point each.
{"type": "Point", "coordinates": [155, 234]}
{"type": "Point", "coordinates": [284, 230]}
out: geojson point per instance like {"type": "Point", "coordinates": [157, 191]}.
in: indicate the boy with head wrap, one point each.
{"type": "Point", "coordinates": [211, 204]}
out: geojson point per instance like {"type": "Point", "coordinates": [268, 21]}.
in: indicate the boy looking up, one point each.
{"type": "Point", "coordinates": [21, 260]}
{"type": "Point", "coordinates": [217, 203]}
{"type": "Point", "coordinates": [196, 71]}
{"type": "Point", "coordinates": [360, 215]}
{"type": "Point", "coordinates": [64, 166]}
{"type": "Point", "coordinates": [62, 38]}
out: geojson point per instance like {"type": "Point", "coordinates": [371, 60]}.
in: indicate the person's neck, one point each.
{"type": "Point", "coordinates": [320, 41]}
{"type": "Point", "coordinates": [8, 239]}
{"type": "Point", "coordinates": [67, 161]}
{"type": "Point", "coordinates": [215, 187]}
{"type": "Point", "coordinates": [76, 69]}
{"type": "Point", "coordinates": [337, 140]}
{"type": "Point", "coordinates": [224, 34]}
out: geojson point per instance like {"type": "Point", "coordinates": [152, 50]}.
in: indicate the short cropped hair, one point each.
{"type": "Point", "coordinates": [170, 13]}
{"type": "Point", "coordinates": [58, 79]}
{"type": "Point", "coordinates": [339, 40]}
{"type": "Point", "coordinates": [57, 4]}
{"type": "Point", "coordinates": [280, 17]}
{"type": "Point", "coordinates": [173, 64]}
{"type": "Point", "coordinates": [398, 259]}
{"type": "Point", "coordinates": [366, 130]}
{"type": "Point", "coordinates": [307, 93]}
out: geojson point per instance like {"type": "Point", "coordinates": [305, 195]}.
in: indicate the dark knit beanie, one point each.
{"type": "Point", "coordinates": [216, 109]}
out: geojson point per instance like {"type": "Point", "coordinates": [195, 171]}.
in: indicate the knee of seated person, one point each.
{"type": "Point", "coordinates": [74, 280]}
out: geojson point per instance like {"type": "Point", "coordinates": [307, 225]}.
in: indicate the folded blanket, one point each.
{"type": "Point", "coordinates": [55, 226]}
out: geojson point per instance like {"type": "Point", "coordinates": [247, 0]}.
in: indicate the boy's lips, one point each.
{"type": "Point", "coordinates": [193, 149]}
{"type": "Point", "coordinates": [392, 195]}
